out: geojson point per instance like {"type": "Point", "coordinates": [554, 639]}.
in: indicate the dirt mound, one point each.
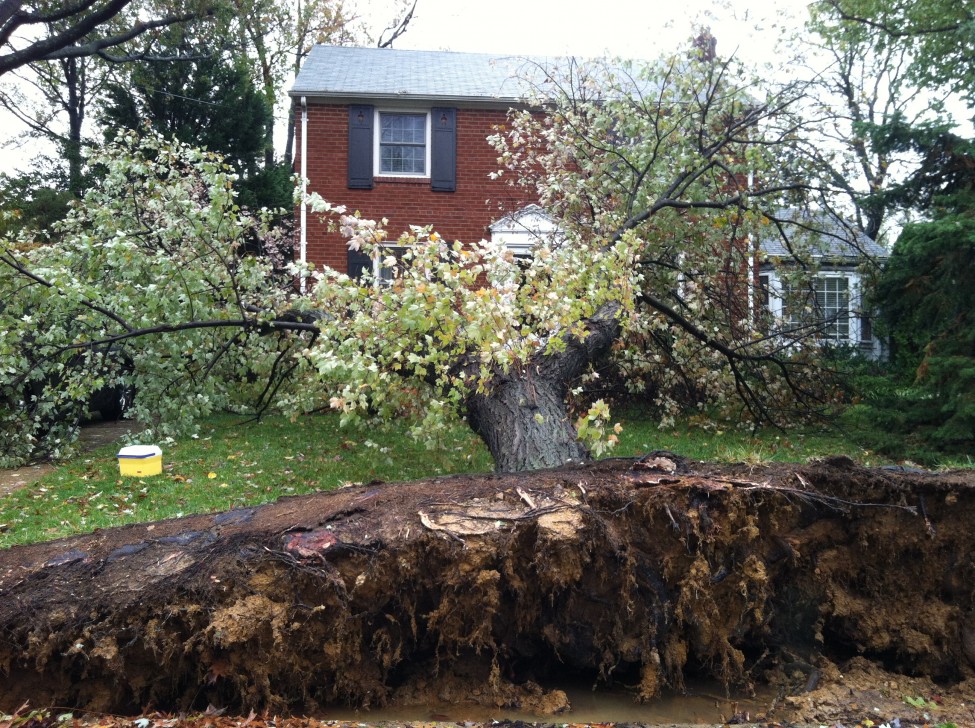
{"type": "Point", "coordinates": [489, 587]}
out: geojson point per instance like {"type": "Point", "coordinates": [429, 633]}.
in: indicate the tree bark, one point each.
{"type": "Point", "coordinates": [523, 418]}
{"type": "Point", "coordinates": [525, 424]}
{"type": "Point", "coordinates": [75, 76]}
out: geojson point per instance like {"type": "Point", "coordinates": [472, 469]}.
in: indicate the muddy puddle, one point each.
{"type": "Point", "coordinates": [703, 703]}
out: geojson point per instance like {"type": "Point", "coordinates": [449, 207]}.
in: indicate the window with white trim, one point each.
{"type": "Point", "coordinates": [826, 306]}
{"type": "Point", "coordinates": [388, 263]}
{"type": "Point", "coordinates": [832, 307]}
{"type": "Point", "coordinates": [829, 305]}
{"type": "Point", "coordinates": [521, 231]}
{"type": "Point", "coordinates": [402, 143]}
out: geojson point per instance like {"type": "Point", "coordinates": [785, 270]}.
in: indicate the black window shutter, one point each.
{"type": "Point", "coordinates": [360, 147]}
{"type": "Point", "coordinates": [443, 155]}
{"type": "Point", "coordinates": [358, 263]}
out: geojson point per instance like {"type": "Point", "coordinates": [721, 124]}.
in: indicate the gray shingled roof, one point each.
{"type": "Point", "coordinates": [341, 72]}
{"type": "Point", "coordinates": [822, 234]}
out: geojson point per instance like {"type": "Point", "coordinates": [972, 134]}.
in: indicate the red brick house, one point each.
{"type": "Point", "coordinates": [403, 135]}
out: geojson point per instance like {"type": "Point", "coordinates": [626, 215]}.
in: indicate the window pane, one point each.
{"type": "Point", "coordinates": [403, 159]}
{"type": "Point", "coordinates": [386, 270]}
{"type": "Point", "coordinates": [833, 306]}
{"type": "Point", "coordinates": [826, 305]}
{"type": "Point", "coordinates": [402, 143]}
{"type": "Point", "coordinates": [763, 288]}
{"type": "Point", "coordinates": [403, 128]}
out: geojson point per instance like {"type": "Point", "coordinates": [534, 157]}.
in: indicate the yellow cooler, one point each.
{"type": "Point", "coordinates": [140, 460]}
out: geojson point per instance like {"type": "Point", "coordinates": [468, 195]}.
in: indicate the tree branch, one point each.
{"type": "Point", "coordinates": [397, 28]}
{"type": "Point", "coordinates": [65, 44]}
{"type": "Point", "coordinates": [893, 32]}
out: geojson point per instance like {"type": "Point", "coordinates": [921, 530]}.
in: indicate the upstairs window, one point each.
{"type": "Point", "coordinates": [403, 144]}
{"type": "Point", "coordinates": [418, 143]}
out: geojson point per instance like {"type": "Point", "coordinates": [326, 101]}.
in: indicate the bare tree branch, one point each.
{"type": "Point", "coordinates": [397, 28]}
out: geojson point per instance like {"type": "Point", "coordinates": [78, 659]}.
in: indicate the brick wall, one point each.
{"type": "Point", "coordinates": [461, 215]}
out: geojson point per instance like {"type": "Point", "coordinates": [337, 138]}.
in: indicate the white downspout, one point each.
{"type": "Point", "coordinates": [753, 280]}
{"type": "Point", "coordinates": [303, 244]}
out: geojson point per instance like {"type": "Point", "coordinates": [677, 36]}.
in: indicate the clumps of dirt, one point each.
{"type": "Point", "coordinates": [862, 691]}
{"type": "Point", "coordinates": [483, 589]}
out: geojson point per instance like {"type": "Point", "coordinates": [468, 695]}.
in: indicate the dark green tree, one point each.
{"type": "Point", "coordinates": [207, 101]}
{"type": "Point", "coordinates": [926, 296]}
{"type": "Point", "coordinates": [926, 299]}
{"type": "Point", "coordinates": [32, 202]}
{"type": "Point", "coordinates": [926, 304]}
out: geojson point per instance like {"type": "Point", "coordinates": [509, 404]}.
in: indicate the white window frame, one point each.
{"type": "Point", "coordinates": [382, 275]}
{"type": "Point", "coordinates": [521, 231]}
{"type": "Point", "coordinates": [833, 322]}
{"type": "Point", "coordinates": [776, 303]}
{"type": "Point", "coordinates": [376, 147]}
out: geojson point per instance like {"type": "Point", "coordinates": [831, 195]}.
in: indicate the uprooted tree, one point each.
{"type": "Point", "coordinates": [661, 178]}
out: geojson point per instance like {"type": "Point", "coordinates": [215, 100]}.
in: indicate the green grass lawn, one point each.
{"type": "Point", "coordinates": [232, 463]}
{"type": "Point", "coordinates": [236, 463]}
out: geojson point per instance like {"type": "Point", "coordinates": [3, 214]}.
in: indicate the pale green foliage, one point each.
{"type": "Point", "coordinates": [157, 244]}
{"type": "Point", "coordinates": [938, 33]}
{"type": "Point", "coordinates": [453, 318]}
{"type": "Point", "coordinates": [684, 157]}
{"type": "Point", "coordinates": [593, 429]}
{"type": "Point", "coordinates": [645, 169]}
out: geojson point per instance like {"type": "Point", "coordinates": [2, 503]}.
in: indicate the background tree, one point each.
{"type": "Point", "coordinates": [32, 202]}
{"type": "Point", "coordinates": [923, 297]}
{"type": "Point", "coordinates": [254, 45]}
{"type": "Point", "coordinates": [53, 93]}
{"type": "Point", "coordinates": [210, 102]}
{"type": "Point", "coordinates": [277, 35]}
{"type": "Point", "coordinates": [940, 33]}
{"type": "Point", "coordinates": [860, 85]}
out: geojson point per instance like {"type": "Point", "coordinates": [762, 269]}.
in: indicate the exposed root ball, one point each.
{"type": "Point", "coordinates": [485, 588]}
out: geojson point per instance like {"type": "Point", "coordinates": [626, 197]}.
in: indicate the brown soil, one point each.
{"type": "Point", "coordinates": [850, 590]}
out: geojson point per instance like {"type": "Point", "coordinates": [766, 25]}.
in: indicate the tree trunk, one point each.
{"type": "Point", "coordinates": [289, 152]}
{"type": "Point", "coordinates": [525, 424]}
{"type": "Point", "coordinates": [74, 75]}
{"type": "Point", "coordinates": [523, 418]}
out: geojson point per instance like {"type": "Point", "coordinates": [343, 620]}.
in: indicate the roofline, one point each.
{"type": "Point", "coordinates": [487, 101]}
{"type": "Point", "coordinates": [849, 264]}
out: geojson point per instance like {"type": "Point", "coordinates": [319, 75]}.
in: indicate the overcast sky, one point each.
{"type": "Point", "coordinates": [625, 28]}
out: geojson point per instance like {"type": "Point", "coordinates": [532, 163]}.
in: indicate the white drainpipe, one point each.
{"type": "Point", "coordinates": [303, 245]}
